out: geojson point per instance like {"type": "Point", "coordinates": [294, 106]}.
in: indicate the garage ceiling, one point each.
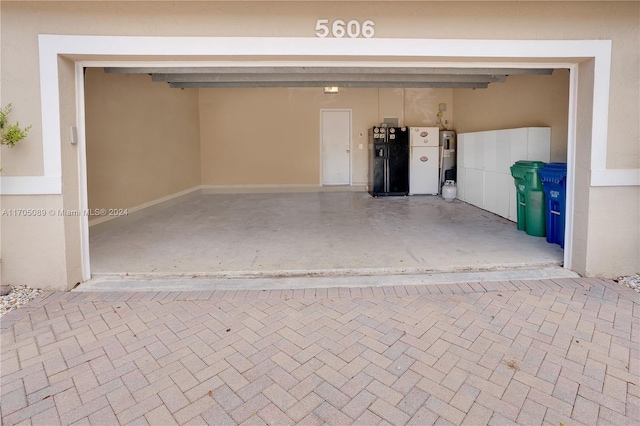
{"type": "Point", "coordinates": [285, 76]}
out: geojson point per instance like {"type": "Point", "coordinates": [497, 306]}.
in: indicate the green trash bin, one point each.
{"type": "Point", "coordinates": [530, 197]}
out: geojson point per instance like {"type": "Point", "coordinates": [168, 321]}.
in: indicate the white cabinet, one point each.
{"type": "Point", "coordinates": [496, 185]}
{"type": "Point", "coordinates": [461, 176]}
{"type": "Point", "coordinates": [489, 151]}
{"type": "Point", "coordinates": [513, 203]}
{"type": "Point", "coordinates": [476, 153]}
{"type": "Point", "coordinates": [485, 160]}
{"type": "Point", "coordinates": [519, 146]}
{"type": "Point", "coordinates": [473, 151]}
{"type": "Point", "coordinates": [504, 147]}
{"type": "Point", "coordinates": [538, 148]}
{"type": "Point", "coordinates": [474, 187]}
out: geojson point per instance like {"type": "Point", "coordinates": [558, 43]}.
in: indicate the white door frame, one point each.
{"type": "Point", "coordinates": [94, 51]}
{"type": "Point", "coordinates": [322, 110]}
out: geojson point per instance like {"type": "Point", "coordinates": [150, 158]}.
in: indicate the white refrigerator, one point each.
{"type": "Point", "coordinates": [424, 163]}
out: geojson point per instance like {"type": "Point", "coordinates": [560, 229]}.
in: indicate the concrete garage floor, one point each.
{"type": "Point", "coordinates": [328, 233]}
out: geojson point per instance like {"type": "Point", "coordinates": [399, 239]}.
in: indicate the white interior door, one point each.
{"type": "Point", "coordinates": [335, 134]}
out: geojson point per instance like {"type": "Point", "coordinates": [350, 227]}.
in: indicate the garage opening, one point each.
{"type": "Point", "coordinates": [221, 174]}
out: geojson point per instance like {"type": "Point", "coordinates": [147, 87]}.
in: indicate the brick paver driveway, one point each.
{"type": "Point", "coordinates": [524, 352]}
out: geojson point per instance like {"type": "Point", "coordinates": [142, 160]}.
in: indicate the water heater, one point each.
{"type": "Point", "coordinates": [448, 155]}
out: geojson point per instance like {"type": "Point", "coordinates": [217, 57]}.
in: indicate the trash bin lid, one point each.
{"type": "Point", "coordinates": [556, 166]}
{"type": "Point", "coordinates": [553, 173]}
{"type": "Point", "coordinates": [529, 164]}
{"type": "Point", "coordinates": [524, 169]}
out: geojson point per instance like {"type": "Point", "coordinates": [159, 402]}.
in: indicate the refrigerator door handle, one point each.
{"type": "Point", "coordinates": [386, 175]}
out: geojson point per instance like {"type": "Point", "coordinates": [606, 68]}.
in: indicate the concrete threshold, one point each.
{"type": "Point", "coordinates": [273, 280]}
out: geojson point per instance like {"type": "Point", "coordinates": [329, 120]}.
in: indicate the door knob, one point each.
{"type": "Point", "coordinates": [348, 151]}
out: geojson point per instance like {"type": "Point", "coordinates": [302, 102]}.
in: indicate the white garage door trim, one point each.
{"type": "Point", "coordinates": [397, 52]}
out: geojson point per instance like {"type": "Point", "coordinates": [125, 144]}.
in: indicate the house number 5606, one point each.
{"type": "Point", "coordinates": [339, 28]}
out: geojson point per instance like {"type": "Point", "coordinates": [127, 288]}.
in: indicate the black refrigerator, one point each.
{"type": "Point", "coordinates": [389, 161]}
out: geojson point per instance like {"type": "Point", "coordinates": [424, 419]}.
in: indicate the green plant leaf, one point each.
{"type": "Point", "coordinates": [11, 133]}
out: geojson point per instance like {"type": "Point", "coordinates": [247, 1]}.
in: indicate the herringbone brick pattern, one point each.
{"type": "Point", "coordinates": [522, 352]}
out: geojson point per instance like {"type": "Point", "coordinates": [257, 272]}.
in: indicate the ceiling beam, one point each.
{"type": "Point", "coordinates": [326, 70]}
{"type": "Point", "coordinates": [327, 78]}
{"type": "Point", "coordinates": [318, 76]}
{"type": "Point", "coordinates": [372, 83]}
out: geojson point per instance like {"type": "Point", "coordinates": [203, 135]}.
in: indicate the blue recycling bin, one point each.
{"type": "Point", "coordinates": [554, 184]}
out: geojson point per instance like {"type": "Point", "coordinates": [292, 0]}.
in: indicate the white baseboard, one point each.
{"type": "Point", "coordinates": [275, 189]}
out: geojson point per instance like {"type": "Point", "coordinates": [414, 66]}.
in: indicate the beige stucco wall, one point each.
{"type": "Point", "coordinates": [584, 117]}
{"type": "Point", "coordinates": [40, 241]}
{"type": "Point", "coordinates": [271, 136]}
{"type": "Point", "coordinates": [33, 247]}
{"type": "Point", "coordinates": [523, 101]}
{"type": "Point", "coordinates": [614, 228]}
{"type": "Point", "coordinates": [618, 21]}
{"type": "Point", "coordinates": [70, 177]}
{"type": "Point", "coordinates": [143, 139]}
